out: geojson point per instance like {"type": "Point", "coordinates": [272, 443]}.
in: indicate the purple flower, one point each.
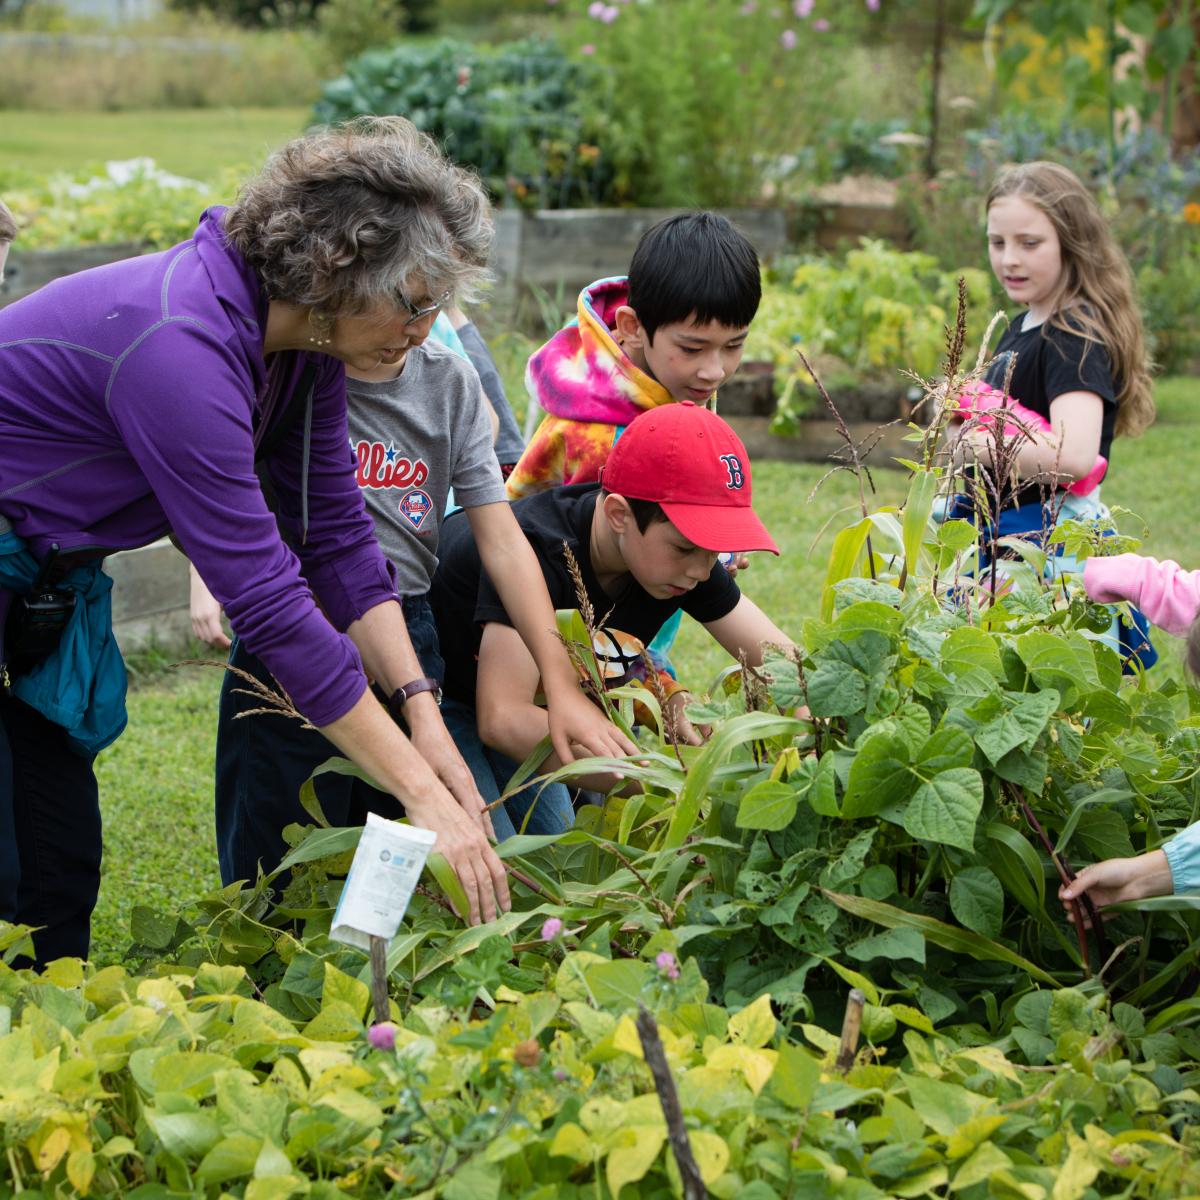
{"type": "Point", "coordinates": [748, 8]}
{"type": "Point", "coordinates": [610, 14]}
{"type": "Point", "coordinates": [821, 25]}
{"type": "Point", "coordinates": [553, 926]}
{"type": "Point", "coordinates": [382, 1036]}
{"type": "Point", "coordinates": [665, 961]}
{"type": "Point", "coordinates": [802, 9]}
{"type": "Point", "coordinates": [872, 5]}
{"type": "Point", "coordinates": [587, 48]}
{"type": "Point", "coordinates": [561, 1075]}
{"type": "Point", "coordinates": [787, 39]}
{"type": "Point", "coordinates": [595, 9]}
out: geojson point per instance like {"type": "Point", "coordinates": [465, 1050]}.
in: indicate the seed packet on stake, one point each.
{"type": "Point", "coordinates": [386, 867]}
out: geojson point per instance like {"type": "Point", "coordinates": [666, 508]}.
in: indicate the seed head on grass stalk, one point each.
{"type": "Point", "coordinates": [273, 702]}
{"type": "Point", "coordinates": [854, 454]}
{"type": "Point", "coordinates": [995, 480]}
{"type": "Point", "coordinates": [670, 726]}
{"type": "Point", "coordinates": [852, 451]}
{"type": "Point", "coordinates": [583, 658]}
{"type": "Point", "coordinates": [940, 396]}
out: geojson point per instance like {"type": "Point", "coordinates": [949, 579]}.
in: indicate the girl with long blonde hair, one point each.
{"type": "Point", "coordinates": [1071, 368]}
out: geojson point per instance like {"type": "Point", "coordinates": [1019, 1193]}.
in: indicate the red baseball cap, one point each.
{"type": "Point", "coordinates": [695, 467]}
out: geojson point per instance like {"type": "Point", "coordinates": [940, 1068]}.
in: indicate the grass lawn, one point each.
{"type": "Point", "coordinates": [156, 795]}
{"type": "Point", "coordinates": [156, 781]}
{"type": "Point", "coordinates": [196, 143]}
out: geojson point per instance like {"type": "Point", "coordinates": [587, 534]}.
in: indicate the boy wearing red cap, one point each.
{"type": "Point", "coordinates": [674, 494]}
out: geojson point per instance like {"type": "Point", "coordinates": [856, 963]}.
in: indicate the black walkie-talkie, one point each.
{"type": "Point", "coordinates": [38, 618]}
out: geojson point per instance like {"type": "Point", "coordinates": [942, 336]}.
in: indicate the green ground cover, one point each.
{"type": "Point", "coordinates": [156, 781]}
{"type": "Point", "coordinates": [197, 143]}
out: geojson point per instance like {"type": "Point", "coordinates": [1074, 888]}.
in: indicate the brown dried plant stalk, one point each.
{"type": "Point", "coordinates": [273, 703]}
{"type": "Point", "coordinates": [853, 455]}
{"type": "Point", "coordinates": [581, 595]}
{"type": "Point", "coordinates": [670, 726]}
{"type": "Point", "coordinates": [592, 676]}
{"type": "Point", "coordinates": [939, 395]}
{"type": "Point", "coordinates": [993, 476]}
{"type": "Point", "coordinates": [853, 451]}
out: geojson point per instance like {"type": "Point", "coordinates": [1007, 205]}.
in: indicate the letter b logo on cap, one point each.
{"type": "Point", "coordinates": [737, 476]}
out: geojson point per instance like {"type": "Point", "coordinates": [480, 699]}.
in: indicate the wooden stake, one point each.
{"type": "Point", "coordinates": [668, 1097]}
{"type": "Point", "coordinates": [851, 1027]}
{"type": "Point", "coordinates": [379, 976]}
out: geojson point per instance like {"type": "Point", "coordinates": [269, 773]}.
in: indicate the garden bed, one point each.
{"type": "Point", "coordinates": [28, 270]}
{"type": "Point", "coordinates": [871, 409]}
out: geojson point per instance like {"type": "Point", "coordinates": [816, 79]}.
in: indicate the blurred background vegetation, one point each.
{"type": "Point", "coordinates": [907, 105]}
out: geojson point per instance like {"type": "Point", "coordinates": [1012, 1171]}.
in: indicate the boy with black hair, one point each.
{"type": "Point", "coordinates": [673, 329]}
{"type": "Point", "coordinates": [674, 494]}
{"type": "Point", "coordinates": [418, 427]}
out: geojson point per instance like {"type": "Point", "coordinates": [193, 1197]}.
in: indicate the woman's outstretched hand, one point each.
{"type": "Point", "coordinates": [432, 739]}
{"type": "Point", "coordinates": [463, 844]}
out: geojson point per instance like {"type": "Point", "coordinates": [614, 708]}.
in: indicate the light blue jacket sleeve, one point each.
{"type": "Point", "coordinates": [1183, 857]}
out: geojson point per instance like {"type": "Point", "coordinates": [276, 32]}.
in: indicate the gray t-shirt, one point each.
{"type": "Point", "coordinates": [415, 437]}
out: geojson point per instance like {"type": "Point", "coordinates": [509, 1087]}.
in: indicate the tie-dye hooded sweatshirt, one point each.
{"type": "Point", "coordinates": [589, 388]}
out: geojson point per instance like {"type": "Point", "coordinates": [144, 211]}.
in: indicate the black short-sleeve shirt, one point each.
{"type": "Point", "coordinates": [1051, 362]}
{"type": "Point", "coordinates": [464, 599]}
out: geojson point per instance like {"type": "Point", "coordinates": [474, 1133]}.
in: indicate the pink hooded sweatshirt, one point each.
{"type": "Point", "coordinates": [1164, 591]}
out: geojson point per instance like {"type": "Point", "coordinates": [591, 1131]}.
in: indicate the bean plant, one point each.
{"type": "Point", "coordinates": [885, 809]}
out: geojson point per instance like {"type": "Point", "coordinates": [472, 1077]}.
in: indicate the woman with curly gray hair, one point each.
{"type": "Point", "coordinates": [163, 394]}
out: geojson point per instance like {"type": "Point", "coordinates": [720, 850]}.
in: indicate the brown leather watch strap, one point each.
{"type": "Point", "coordinates": [402, 695]}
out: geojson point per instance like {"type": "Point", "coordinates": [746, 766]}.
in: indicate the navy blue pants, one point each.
{"type": "Point", "coordinates": [535, 809]}
{"type": "Point", "coordinates": [263, 760]}
{"type": "Point", "coordinates": [50, 837]}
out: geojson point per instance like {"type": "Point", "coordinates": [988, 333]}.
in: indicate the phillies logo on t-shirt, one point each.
{"type": "Point", "coordinates": [416, 506]}
{"type": "Point", "coordinates": [381, 466]}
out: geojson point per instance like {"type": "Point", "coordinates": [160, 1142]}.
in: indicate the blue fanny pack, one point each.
{"type": "Point", "coordinates": [81, 683]}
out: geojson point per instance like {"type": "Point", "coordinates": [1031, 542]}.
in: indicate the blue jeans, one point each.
{"type": "Point", "coordinates": [1130, 642]}
{"type": "Point", "coordinates": [264, 760]}
{"type": "Point", "coordinates": [548, 808]}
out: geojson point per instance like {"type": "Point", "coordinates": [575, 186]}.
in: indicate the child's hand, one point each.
{"type": "Point", "coordinates": [205, 613]}
{"type": "Point", "coordinates": [678, 728]}
{"type": "Point", "coordinates": [1118, 879]}
{"type": "Point", "coordinates": [578, 729]}
{"type": "Point", "coordinates": [734, 562]}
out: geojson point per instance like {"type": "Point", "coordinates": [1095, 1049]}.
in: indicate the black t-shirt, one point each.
{"type": "Point", "coordinates": [1049, 363]}
{"type": "Point", "coordinates": [464, 599]}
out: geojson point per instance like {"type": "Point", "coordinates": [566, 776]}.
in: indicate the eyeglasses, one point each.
{"type": "Point", "coordinates": [415, 313]}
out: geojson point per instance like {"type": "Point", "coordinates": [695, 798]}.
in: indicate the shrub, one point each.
{"type": "Point", "coordinates": [348, 27]}
{"type": "Point", "coordinates": [522, 115]}
{"type": "Point", "coordinates": [712, 99]}
{"type": "Point", "coordinates": [140, 205]}
{"type": "Point", "coordinates": [1170, 295]}
{"type": "Point", "coordinates": [859, 316]}
{"type": "Point", "coordinates": [482, 14]}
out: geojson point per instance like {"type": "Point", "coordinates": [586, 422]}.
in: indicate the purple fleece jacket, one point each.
{"type": "Point", "coordinates": [128, 397]}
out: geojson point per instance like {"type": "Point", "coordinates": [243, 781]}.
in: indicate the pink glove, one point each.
{"type": "Point", "coordinates": [978, 399]}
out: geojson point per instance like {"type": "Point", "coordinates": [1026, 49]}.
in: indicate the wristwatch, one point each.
{"type": "Point", "coordinates": [397, 700]}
